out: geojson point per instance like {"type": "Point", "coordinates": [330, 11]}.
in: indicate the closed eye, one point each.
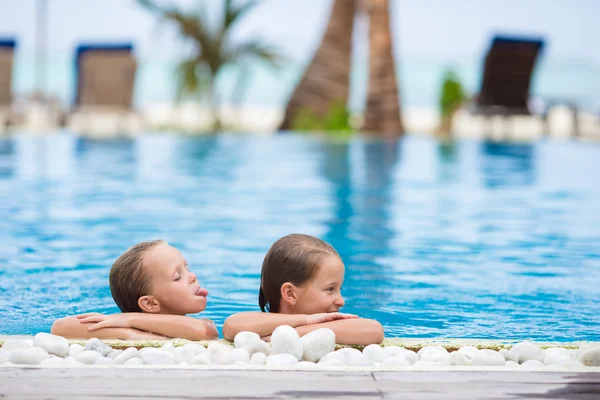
{"type": "Point", "coordinates": [178, 278]}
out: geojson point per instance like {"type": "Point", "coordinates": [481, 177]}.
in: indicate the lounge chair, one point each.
{"type": "Point", "coordinates": [7, 47]}
{"type": "Point", "coordinates": [105, 81]}
{"type": "Point", "coordinates": [508, 67]}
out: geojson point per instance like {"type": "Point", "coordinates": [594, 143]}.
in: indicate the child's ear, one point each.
{"type": "Point", "coordinates": [288, 294]}
{"type": "Point", "coordinates": [149, 304]}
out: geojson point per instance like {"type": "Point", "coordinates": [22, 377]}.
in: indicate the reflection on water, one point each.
{"type": "Point", "coordinates": [465, 239]}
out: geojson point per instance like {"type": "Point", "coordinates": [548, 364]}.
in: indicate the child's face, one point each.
{"type": "Point", "coordinates": [323, 293]}
{"type": "Point", "coordinates": [173, 285]}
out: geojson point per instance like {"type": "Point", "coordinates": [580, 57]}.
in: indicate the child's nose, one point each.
{"type": "Point", "coordinates": [340, 302]}
{"type": "Point", "coordinates": [192, 277]}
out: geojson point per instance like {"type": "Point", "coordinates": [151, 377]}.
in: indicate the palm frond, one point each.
{"type": "Point", "coordinates": [256, 50]}
{"type": "Point", "coordinates": [193, 78]}
{"type": "Point", "coordinates": [232, 13]}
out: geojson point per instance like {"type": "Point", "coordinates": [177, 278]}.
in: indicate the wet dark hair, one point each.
{"type": "Point", "coordinates": [294, 258]}
{"type": "Point", "coordinates": [128, 280]}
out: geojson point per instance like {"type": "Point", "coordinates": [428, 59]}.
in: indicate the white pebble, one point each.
{"type": "Point", "coordinates": [53, 360]}
{"type": "Point", "coordinates": [532, 365]}
{"type": "Point", "coordinates": [28, 356]}
{"type": "Point", "coordinates": [337, 355]}
{"type": "Point", "coordinates": [395, 360]}
{"type": "Point", "coordinates": [285, 340]}
{"type": "Point", "coordinates": [435, 354]}
{"type": "Point", "coordinates": [155, 356]}
{"type": "Point", "coordinates": [216, 347]}
{"type": "Point", "coordinates": [306, 366]}
{"type": "Point", "coordinates": [72, 361]}
{"type": "Point", "coordinates": [489, 358]}
{"type": "Point", "coordinates": [423, 364]}
{"type": "Point", "coordinates": [168, 346]}
{"type": "Point", "coordinates": [194, 348]}
{"type": "Point", "coordinates": [75, 350]}
{"type": "Point", "coordinates": [465, 358]}
{"type": "Point", "coordinates": [13, 344]}
{"type": "Point", "coordinates": [103, 361]}
{"type": "Point", "coordinates": [127, 354]}
{"type": "Point", "coordinates": [240, 355]}
{"type": "Point", "coordinates": [88, 357]}
{"type": "Point", "coordinates": [134, 361]}
{"type": "Point", "coordinates": [57, 345]}
{"type": "Point", "coordinates": [202, 359]}
{"type": "Point", "coordinates": [250, 341]}
{"type": "Point", "coordinates": [512, 364]}
{"type": "Point", "coordinates": [97, 345]}
{"type": "Point", "coordinates": [348, 353]}
{"type": "Point", "coordinates": [358, 360]}
{"type": "Point", "coordinates": [556, 356]}
{"type": "Point", "coordinates": [469, 350]}
{"type": "Point", "coordinates": [509, 355]}
{"type": "Point", "coordinates": [374, 353]}
{"type": "Point", "coordinates": [528, 351]}
{"type": "Point", "coordinates": [258, 359]}
{"type": "Point", "coordinates": [281, 359]}
{"type": "Point", "coordinates": [114, 354]}
{"type": "Point", "coordinates": [590, 357]}
{"type": "Point", "coordinates": [317, 343]}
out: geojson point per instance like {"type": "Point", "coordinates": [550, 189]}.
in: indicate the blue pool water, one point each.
{"type": "Point", "coordinates": [472, 239]}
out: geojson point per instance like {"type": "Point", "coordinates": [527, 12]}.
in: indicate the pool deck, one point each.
{"type": "Point", "coordinates": [173, 383]}
{"type": "Point", "coordinates": [216, 382]}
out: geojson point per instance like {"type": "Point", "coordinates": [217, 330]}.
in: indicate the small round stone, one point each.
{"type": "Point", "coordinates": [435, 354]}
{"type": "Point", "coordinates": [258, 359]}
{"type": "Point", "coordinates": [134, 361]}
{"type": "Point", "coordinates": [281, 359]}
{"type": "Point", "coordinates": [528, 351]}
{"type": "Point", "coordinates": [28, 356]}
{"type": "Point", "coordinates": [13, 344]}
{"type": "Point", "coordinates": [509, 355]}
{"type": "Point", "coordinates": [72, 362]}
{"type": "Point", "coordinates": [98, 346]}
{"type": "Point", "coordinates": [590, 357]}
{"type": "Point", "coordinates": [113, 354]}
{"type": "Point", "coordinates": [374, 353]}
{"type": "Point", "coordinates": [75, 350]}
{"type": "Point", "coordinates": [285, 340]}
{"type": "Point", "coordinates": [490, 358]}
{"type": "Point", "coordinates": [53, 360]}
{"type": "Point", "coordinates": [556, 356]}
{"type": "Point", "coordinates": [57, 345]}
{"type": "Point", "coordinates": [154, 356]}
{"type": "Point", "coordinates": [202, 359]}
{"type": "Point", "coordinates": [88, 357]}
{"type": "Point", "coordinates": [533, 365]}
{"type": "Point", "coordinates": [103, 361]}
{"type": "Point", "coordinates": [338, 356]}
{"type": "Point", "coordinates": [317, 343]}
{"type": "Point", "coordinates": [235, 355]}
{"type": "Point", "coordinates": [127, 354]}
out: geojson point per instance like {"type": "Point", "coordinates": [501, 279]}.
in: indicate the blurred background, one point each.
{"type": "Point", "coordinates": [253, 93]}
{"type": "Point", "coordinates": [447, 150]}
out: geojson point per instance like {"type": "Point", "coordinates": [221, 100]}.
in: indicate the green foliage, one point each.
{"type": "Point", "coordinates": [198, 74]}
{"type": "Point", "coordinates": [452, 94]}
{"type": "Point", "coordinates": [336, 120]}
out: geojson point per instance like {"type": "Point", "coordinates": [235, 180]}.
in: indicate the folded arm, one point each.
{"type": "Point", "coordinates": [71, 327]}
{"type": "Point", "coordinates": [348, 328]}
{"type": "Point", "coordinates": [177, 326]}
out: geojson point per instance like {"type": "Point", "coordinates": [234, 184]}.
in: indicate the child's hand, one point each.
{"type": "Point", "coordinates": [104, 321]}
{"type": "Point", "coordinates": [327, 317]}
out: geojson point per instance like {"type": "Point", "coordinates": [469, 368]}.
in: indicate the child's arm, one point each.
{"type": "Point", "coordinates": [359, 331]}
{"type": "Point", "coordinates": [265, 323]}
{"type": "Point", "coordinates": [71, 327]}
{"type": "Point", "coordinates": [177, 326]}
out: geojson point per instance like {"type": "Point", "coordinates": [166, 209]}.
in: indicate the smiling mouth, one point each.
{"type": "Point", "coordinates": [201, 292]}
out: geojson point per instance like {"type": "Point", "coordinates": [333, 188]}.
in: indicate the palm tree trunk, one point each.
{"type": "Point", "coordinates": [327, 80]}
{"type": "Point", "coordinates": [382, 115]}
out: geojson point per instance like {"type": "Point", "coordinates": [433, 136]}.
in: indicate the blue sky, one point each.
{"type": "Point", "coordinates": [421, 28]}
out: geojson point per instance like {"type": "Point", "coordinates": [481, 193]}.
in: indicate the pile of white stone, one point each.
{"type": "Point", "coordinates": [287, 350]}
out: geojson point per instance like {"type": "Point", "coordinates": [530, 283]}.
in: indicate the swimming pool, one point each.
{"type": "Point", "coordinates": [472, 239]}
